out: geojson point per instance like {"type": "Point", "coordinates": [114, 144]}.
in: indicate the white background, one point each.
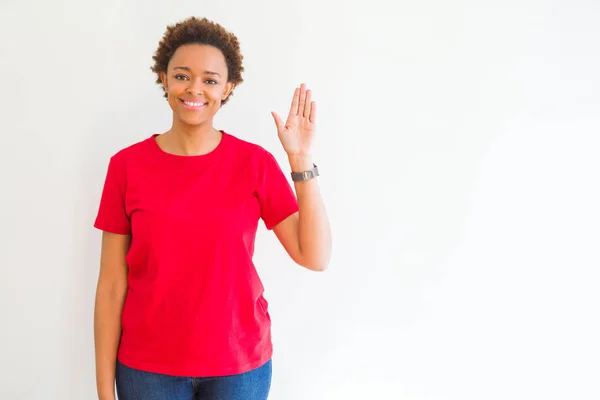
{"type": "Point", "coordinates": [458, 143]}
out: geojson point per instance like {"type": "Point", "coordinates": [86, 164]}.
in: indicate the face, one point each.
{"type": "Point", "coordinates": [196, 83]}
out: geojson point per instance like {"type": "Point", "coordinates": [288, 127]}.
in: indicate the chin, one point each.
{"type": "Point", "coordinates": [192, 122]}
{"type": "Point", "coordinates": [191, 118]}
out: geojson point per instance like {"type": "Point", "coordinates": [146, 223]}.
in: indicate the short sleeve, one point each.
{"type": "Point", "coordinates": [275, 194]}
{"type": "Point", "coordinates": [112, 215]}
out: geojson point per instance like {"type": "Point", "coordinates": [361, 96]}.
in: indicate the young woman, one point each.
{"type": "Point", "coordinates": [179, 308]}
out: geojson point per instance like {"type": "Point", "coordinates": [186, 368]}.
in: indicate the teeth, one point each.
{"type": "Point", "coordinates": [193, 104]}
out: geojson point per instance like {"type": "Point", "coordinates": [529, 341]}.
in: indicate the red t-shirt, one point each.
{"type": "Point", "coordinates": [194, 304]}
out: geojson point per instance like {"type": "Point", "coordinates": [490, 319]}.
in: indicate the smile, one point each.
{"type": "Point", "coordinates": [193, 105]}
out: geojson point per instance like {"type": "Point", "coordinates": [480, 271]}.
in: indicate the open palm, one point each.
{"type": "Point", "coordinates": [297, 132]}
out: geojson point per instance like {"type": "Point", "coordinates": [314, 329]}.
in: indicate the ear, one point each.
{"type": "Point", "coordinates": [163, 79]}
{"type": "Point", "coordinates": [228, 89]}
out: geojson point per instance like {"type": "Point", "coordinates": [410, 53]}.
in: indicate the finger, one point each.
{"type": "Point", "coordinates": [278, 122]}
{"type": "Point", "coordinates": [295, 101]}
{"type": "Point", "coordinates": [306, 111]}
{"type": "Point", "coordinates": [313, 112]}
{"type": "Point", "coordinates": [302, 99]}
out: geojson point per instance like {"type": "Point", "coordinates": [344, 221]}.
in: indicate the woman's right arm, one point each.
{"type": "Point", "coordinates": [110, 297]}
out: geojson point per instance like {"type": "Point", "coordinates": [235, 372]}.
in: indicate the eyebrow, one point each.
{"type": "Point", "coordinates": [190, 70]}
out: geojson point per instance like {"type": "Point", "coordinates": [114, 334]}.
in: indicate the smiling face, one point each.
{"type": "Point", "coordinates": [196, 83]}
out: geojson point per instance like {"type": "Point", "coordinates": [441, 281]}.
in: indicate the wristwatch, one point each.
{"type": "Point", "coordinates": [306, 175]}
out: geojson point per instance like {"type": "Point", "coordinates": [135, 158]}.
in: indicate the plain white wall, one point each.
{"type": "Point", "coordinates": [458, 143]}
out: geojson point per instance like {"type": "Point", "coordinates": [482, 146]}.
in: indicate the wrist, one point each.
{"type": "Point", "coordinates": [300, 162]}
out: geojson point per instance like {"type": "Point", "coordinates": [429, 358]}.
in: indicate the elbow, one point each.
{"type": "Point", "coordinates": [319, 265]}
{"type": "Point", "coordinates": [112, 290]}
{"type": "Point", "coordinates": [315, 260]}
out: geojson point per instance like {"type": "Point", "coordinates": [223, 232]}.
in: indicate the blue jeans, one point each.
{"type": "Point", "coordinates": [133, 384]}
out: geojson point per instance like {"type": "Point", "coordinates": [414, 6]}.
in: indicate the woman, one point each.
{"type": "Point", "coordinates": [179, 309]}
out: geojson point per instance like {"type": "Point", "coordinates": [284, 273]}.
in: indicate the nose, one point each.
{"type": "Point", "coordinates": [194, 92]}
{"type": "Point", "coordinates": [194, 88]}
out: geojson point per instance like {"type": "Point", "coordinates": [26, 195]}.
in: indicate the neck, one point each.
{"type": "Point", "coordinates": [190, 140]}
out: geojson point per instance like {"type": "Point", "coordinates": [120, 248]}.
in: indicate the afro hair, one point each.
{"type": "Point", "coordinates": [194, 30]}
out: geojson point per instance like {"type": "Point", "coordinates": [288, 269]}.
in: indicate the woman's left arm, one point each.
{"type": "Point", "coordinates": [306, 234]}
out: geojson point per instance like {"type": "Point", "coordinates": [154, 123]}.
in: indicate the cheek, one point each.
{"type": "Point", "coordinates": [173, 100]}
{"type": "Point", "coordinates": [218, 91]}
{"type": "Point", "coordinates": [176, 88]}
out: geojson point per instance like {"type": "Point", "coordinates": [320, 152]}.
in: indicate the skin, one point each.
{"type": "Point", "coordinates": [198, 73]}
{"type": "Point", "coordinates": [110, 297]}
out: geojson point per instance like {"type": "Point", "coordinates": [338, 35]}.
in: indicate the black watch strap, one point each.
{"type": "Point", "coordinates": [306, 175]}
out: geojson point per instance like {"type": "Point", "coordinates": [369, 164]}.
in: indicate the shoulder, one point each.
{"type": "Point", "coordinates": [248, 150]}
{"type": "Point", "coordinates": [254, 157]}
{"type": "Point", "coordinates": [132, 151]}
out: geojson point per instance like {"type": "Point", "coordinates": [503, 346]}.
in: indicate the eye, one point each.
{"type": "Point", "coordinates": [211, 81]}
{"type": "Point", "coordinates": [181, 77]}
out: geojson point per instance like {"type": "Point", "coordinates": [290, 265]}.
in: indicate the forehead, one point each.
{"type": "Point", "coordinates": [198, 57]}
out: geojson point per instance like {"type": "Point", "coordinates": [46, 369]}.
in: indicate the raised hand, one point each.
{"type": "Point", "coordinates": [297, 132]}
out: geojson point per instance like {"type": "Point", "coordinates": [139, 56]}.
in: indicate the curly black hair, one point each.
{"type": "Point", "coordinates": [194, 30]}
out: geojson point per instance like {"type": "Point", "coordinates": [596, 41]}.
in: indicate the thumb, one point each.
{"type": "Point", "coordinates": [278, 122]}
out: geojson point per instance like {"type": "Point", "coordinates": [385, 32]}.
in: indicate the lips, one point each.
{"type": "Point", "coordinates": [193, 105]}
